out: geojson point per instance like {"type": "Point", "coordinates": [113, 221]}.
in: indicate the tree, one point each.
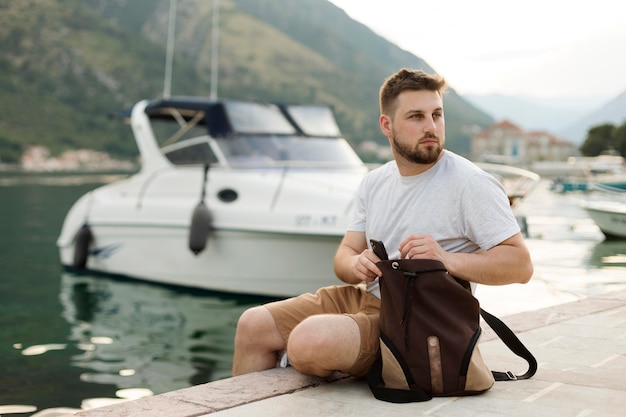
{"type": "Point", "coordinates": [619, 139]}
{"type": "Point", "coordinates": [599, 139]}
{"type": "Point", "coordinates": [10, 152]}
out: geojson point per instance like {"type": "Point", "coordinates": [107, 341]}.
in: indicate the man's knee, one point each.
{"type": "Point", "coordinates": [251, 322]}
{"type": "Point", "coordinates": [254, 325]}
{"type": "Point", "coordinates": [305, 339]}
{"type": "Point", "coordinates": [304, 347]}
{"type": "Point", "coordinates": [323, 343]}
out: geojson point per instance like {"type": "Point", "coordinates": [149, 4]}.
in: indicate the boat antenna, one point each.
{"type": "Point", "coordinates": [169, 57]}
{"type": "Point", "coordinates": [215, 48]}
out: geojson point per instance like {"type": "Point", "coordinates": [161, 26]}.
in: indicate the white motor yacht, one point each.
{"type": "Point", "coordinates": [233, 196]}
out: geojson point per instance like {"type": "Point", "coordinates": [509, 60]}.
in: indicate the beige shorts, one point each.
{"type": "Point", "coordinates": [352, 301]}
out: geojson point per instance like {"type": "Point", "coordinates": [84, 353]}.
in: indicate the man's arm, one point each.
{"type": "Point", "coordinates": [506, 263]}
{"type": "Point", "coordinates": [354, 262]}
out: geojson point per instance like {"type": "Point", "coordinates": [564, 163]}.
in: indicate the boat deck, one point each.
{"type": "Point", "coordinates": [580, 347]}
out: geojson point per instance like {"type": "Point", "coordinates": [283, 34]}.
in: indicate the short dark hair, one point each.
{"type": "Point", "coordinates": [407, 79]}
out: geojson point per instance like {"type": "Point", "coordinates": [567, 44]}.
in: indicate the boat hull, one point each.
{"type": "Point", "coordinates": [244, 262]}
{"type": "Point", "coordinates": [609, 216]}
{"type": "Point", "coordinates": [278, 238]}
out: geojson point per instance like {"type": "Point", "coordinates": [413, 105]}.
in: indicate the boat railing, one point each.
{"type": "Point", "coordinates": [287, 165]}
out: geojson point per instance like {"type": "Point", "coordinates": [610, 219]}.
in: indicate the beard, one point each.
{"type": "Point", "coordinates": [416, 154]}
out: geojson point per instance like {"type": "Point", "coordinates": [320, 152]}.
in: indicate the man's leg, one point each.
{"type": "Point", "coordinates": [346, 343]}
{"type": "Point", "coordinates": [323, 344]}
{"type": "Point", "coordinates": [256, 342]}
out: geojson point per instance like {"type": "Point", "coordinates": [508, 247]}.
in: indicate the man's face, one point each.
{"type": "Point", "coordinates": [418, 126]}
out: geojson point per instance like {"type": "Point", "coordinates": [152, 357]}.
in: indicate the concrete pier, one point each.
{"type": "Point", "coordinates": [580, 347]}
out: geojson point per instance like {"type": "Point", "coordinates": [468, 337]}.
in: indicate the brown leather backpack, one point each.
{"type": "Point", "coordinates": [429, 332]}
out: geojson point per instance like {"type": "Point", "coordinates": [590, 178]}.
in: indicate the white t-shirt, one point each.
{"type": "Point", "coordinates": [464, 208]}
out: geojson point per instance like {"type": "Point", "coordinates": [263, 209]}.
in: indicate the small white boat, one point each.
{"type": "Point", "coordinates": [517, 182]}
{"type": "Point", "coordinates": [609, 216]}
{"type": "Point", "coordinates": [232, 196]}
{"type": "Point", "coordinates": [270, 188]}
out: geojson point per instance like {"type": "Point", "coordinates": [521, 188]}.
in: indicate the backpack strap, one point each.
{"type": "Point", "coordinates": [393, 395]}
{"type": "Point", "coordinates": [511, 340]}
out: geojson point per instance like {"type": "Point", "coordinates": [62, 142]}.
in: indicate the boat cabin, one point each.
{"type": "Point", "coordinates": [192, 130]}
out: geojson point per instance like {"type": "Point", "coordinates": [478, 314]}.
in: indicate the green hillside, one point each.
{"type": "Point", "coordinates": [67, 63]}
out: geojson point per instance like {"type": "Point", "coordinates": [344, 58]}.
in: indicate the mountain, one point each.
{"type": "Point", "coordinates": [612, 112]}
{"type": "Point", "coordinates": [532, 113]}
{"type": "Point", "coordinates": [569, 119]}
{"type": "Point", "coordinates": [66, 64]}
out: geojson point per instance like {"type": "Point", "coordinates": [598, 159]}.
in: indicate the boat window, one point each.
{"type": "Point", "coordinates": [280, 149]}
{"type": "Point", "coordinates": [258, 118]}
{"type": "Point", "coordinates": [167, 133]}
{"type": "Point", "coordinates": [190, 153]}
{"type": "Point", "coordinates": [314, 120]}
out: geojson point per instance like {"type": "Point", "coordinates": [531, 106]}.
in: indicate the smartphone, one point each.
{"type": "Point", "coordinates": [379, 249]}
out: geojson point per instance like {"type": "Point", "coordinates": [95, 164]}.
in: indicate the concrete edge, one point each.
{"type": "Point", "coordinates": [215, 396]}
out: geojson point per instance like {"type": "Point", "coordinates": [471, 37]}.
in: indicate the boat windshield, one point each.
{"type": "Point", "coordinates": [275, 150]}
{"type": "Point", "coordinates": [314, 120]}
{"type": "Point", "coordinates": [256, 117]}
{"type": "Point", "coordinates": [252, 117]}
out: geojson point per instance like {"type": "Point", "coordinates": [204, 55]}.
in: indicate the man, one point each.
{"type": "Point", "coordinates": [426, 204]}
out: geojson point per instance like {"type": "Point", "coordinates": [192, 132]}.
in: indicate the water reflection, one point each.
{"type": "Point", "coordinates": [139, 335]}
{"type": "Point", "coordinates": [609, 253]}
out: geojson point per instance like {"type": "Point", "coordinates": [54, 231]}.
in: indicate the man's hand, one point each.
{"type": "Point", "coordinates": [422, 246]}
{"type": "Point", "coordinates": [354, 261]}
{"type": "Point", "coordinates": [365, 268]}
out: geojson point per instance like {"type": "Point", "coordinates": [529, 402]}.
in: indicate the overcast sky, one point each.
{"type": "Point", "coordinates": [537, 48]}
